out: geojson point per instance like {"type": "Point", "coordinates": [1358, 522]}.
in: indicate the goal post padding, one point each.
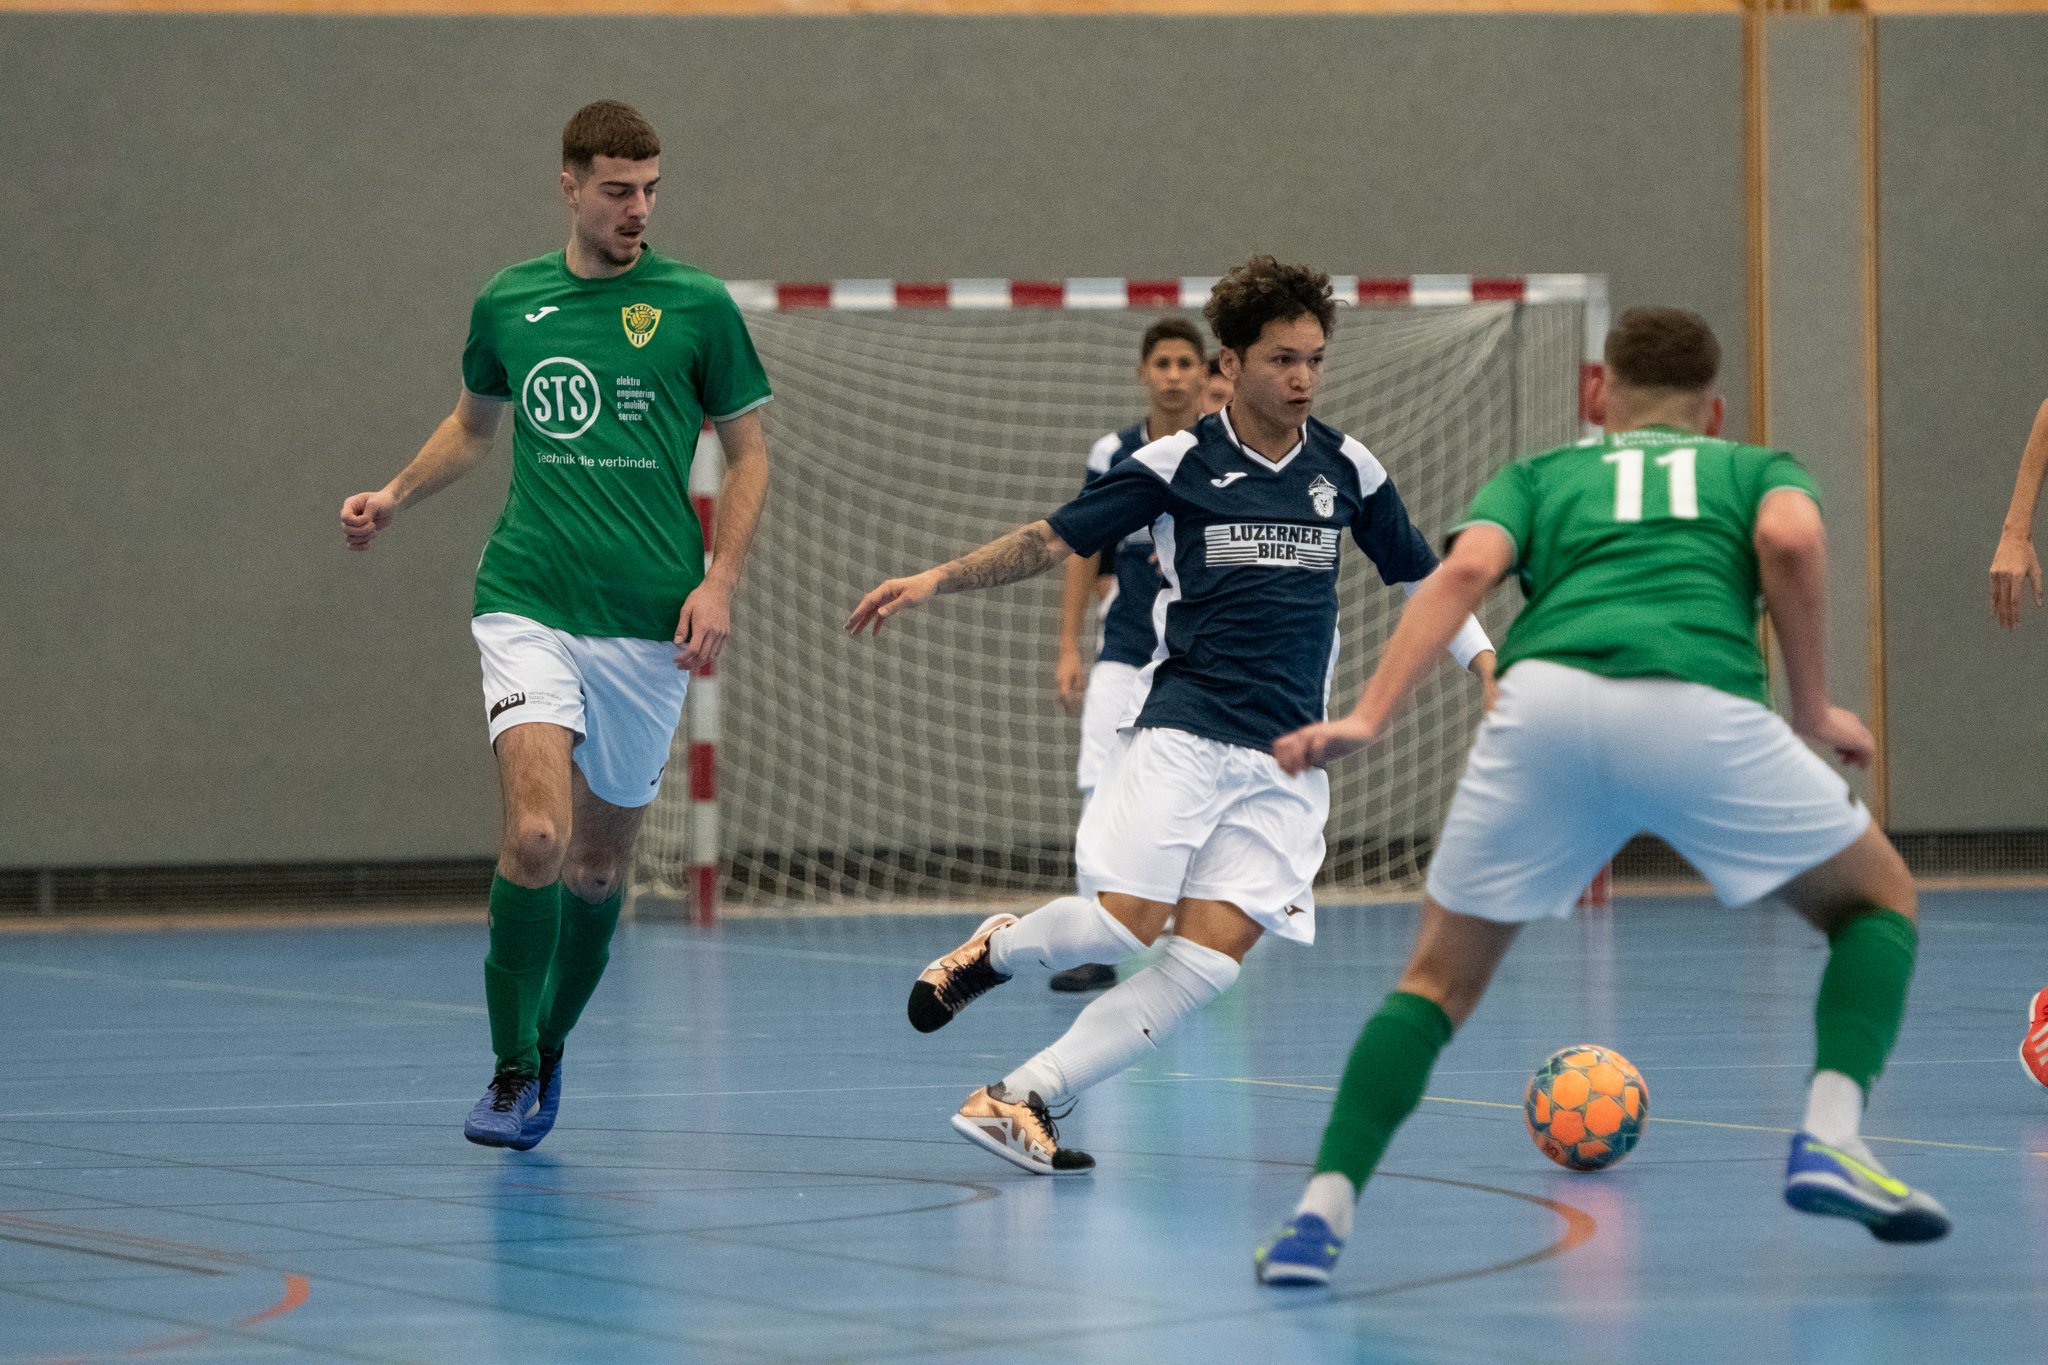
{"type": "Point", "coordinates": [913, 422]}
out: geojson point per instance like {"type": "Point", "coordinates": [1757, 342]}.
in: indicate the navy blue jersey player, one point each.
{"type": "Point", "coordinates": [1196, 822]}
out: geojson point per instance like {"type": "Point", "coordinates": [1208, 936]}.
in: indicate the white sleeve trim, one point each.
{"type": "Point", "coordinates": [1371, 473]}
{"type": "Point", "coordinates": [742, 412]}
{"type": "Point", "coordinates": [1806, 493]}
{"type": "Point", "coordinates": [1100, 453]}
{"type": "Point", "coordinates": [1164, 455]}
{"type": "Point", "coordinates": [1470, 642]}
{"type": "Point", "coordinates": [485, 397]}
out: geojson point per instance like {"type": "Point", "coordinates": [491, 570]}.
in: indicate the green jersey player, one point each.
{"type": "Point", "coordinates": [1632, 698]}
{"type": "Point", "coordinates": [593, 604]}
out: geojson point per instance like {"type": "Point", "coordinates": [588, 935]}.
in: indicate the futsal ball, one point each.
{"type": "Point", "coordinates": [1586, 1107]}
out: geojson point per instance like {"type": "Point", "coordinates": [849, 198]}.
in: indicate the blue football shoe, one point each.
{"type": "Point", "coordinates": [542, 1120]}
{"type": "Point", "coordinates": [500, 1116]}
{"type": "Point", "coordinates": [1848, 1183]}
{"type": "Point", "coordinates": [1303, 1252]}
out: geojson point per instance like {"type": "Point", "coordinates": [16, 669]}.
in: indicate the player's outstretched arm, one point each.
{"type": "Point", "coordinates": [1792, 560]}
{"type": "Point", "coordinates": [1432, 618]}
{"type": "Point", "coordinates": [455, 447]}
{"type": "Point", "coordinates": [2015, 568]}
{"type": "Point", "coordinates": [706, 619]}
{"type": "Point", "coordinates": [1025, 552]}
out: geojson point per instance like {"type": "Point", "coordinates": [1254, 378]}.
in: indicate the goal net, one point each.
{"type": "Point", "coordinates": [934, 763]}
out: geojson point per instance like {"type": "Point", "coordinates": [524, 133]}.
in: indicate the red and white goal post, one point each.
{"type": "Point", "coordinates": [912, 418]}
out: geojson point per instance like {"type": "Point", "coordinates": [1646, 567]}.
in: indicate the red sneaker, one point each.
{"type": "Point", "coordinates": [2034, 1049]}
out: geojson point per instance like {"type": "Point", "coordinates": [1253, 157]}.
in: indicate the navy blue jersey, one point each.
{"type": "Point", "coordinates": [1128, 635]}
{"type": "Point", "coordinates": [1248, 550]}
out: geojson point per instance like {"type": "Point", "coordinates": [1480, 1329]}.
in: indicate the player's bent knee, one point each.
{"type": "Point", "coordinates": [534, 849]}
{"type": "Point", "coordinates": [1145, 919]}
{"type": "Point", "coordinates": [592, 883]}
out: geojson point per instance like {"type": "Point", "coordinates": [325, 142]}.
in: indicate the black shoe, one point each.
{"type": "Point", "coordinates": [1093, 976]}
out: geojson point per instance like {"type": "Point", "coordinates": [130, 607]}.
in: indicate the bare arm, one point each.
{"type": "Point", "coordinates": [706, 619]}
{"type": "Point", "coordinates": [1070, 679]}
{"type": "Point", "coordinates": [1023, 553]}
{"type": "Point", "coordinates": [1792, 559]}
{"type": "Point", "coordinates": [1432, 619]}
{"type": "Point", "coordinates": [454, 448]}
{"type": "Point", "coordinates": [2015, 565]}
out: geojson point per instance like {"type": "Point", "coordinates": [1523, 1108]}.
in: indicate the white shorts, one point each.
{"type": "Point", "coordinates": [1185, 817]}
{"type": "Point", "coordinates": [1109, 692]}
{"type": "Point", "coordinates": [1570, 766]}
{"type": "Point", "coordinates": [623, 698]}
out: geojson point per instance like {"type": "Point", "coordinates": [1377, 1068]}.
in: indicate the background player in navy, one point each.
{"type": "Point", "coordinates": [1196, 822]}
{"type": "Point", "coordinates": [1172, 365]}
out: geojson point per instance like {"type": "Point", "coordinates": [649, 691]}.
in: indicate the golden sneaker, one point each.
{"type": "Point", "coordinates": [1021, 1132]}
{"type": "Point", "coordinates": [946, 987]}
{"type": "Point", "coordinates": [2034, 1047]}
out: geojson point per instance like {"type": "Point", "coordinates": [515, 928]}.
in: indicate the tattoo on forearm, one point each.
{"type": "Point", "coordinates": [1025, 551]}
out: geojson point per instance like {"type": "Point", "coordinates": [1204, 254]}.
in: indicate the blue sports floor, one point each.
{"type": "Point", "coordinates": [244, 1145]}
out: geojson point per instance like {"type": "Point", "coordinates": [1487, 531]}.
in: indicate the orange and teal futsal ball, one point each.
{"type": "Point", "coordinates": [1586, 1107]}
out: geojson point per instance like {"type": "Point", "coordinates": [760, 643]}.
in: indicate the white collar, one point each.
{"type": "Point", "coordinates": [1270, 466]}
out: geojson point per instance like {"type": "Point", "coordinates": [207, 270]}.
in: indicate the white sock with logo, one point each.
{"type": "Point", "coordinates": [1061, 934]}
{"type": "Point", "coordinates": [1333, 1198]}
{"type": "Point", "coordinates": [1126, 1021]}
{"type": "Point", "coordinates": [1834, 1109]}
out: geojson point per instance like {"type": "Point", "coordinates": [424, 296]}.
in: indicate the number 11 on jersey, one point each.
{"type": "Point", "coordinates": [1680, 464]}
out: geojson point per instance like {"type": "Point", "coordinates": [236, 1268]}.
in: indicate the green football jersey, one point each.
{"type": "Point", "coordinates": [610, 382]}
{"type": "Point", "coordinates": [1636, 555]}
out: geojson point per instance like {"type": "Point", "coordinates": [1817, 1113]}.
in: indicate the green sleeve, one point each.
{"type": "Point", "coordinates": [1507, 501]}
{"type": "Point", "coordinates": [1782, 470]}
{"type": "Point", "coordinates": [729, 377]}
{"type": "Point", "coordinates": [483, 374]}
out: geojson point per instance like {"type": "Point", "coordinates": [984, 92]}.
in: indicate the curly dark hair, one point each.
{"type": "Point", "coordinates": [1663, 348]}
{"type": "Point", "coordinates": [1261, 291]}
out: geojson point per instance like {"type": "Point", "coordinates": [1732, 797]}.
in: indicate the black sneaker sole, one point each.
{"type": "Point", "coordinates": [928, 1014]}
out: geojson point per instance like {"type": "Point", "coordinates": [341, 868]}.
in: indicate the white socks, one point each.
{"type": "Point", "coordinates": [1064, 933]}
{"type": "Point", "coordinates": [1126, 1021]}
{"type": "Point", "coordinates": [1331, 1197]}
{"type": "Point", "coordinates": [1834, 1109]}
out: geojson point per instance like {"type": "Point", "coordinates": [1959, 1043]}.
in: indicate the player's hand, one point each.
{"type": "Point", "coordinates": [364, 515]}
{"type": "Point", "coordinates": [703, 627]}
{"type": "Point", "coordinates": [1313, 746]}
{"type": "Point", "coordinates": [1070, 681]}
{"type": "Point", "coordinates": [1841, 733]}
{"type": "Point", "coordinates": [2013, 569]}
{"type": "Point", "coordinates": [892, 598]}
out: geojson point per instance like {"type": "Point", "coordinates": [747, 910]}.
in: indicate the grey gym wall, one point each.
{"type": "Point", "coordinates": [1813, 262]}
{"type": "Point", "coordinates": [242, 252]}
{"type": "Point", "coordinates": [1963, 106]}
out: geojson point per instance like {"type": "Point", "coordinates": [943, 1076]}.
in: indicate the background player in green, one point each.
{"type": "Point", "coordinates": [1632, 698]}
{"type": "Point", "coordinates": [592, 598]}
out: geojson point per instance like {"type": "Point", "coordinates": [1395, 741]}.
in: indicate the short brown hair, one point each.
{"type": "Point", "coordinates": [1663, 348]}
{"type": "Point", "coordinates": [606, 128]}
{"type": "Point", "coordinates": [1261, 291]}
{"type": "Point", "coordinates": [1173, 329]}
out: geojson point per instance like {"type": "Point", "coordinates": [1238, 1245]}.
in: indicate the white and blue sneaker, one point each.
{"type": "Point", "coordinates": [1847, 1182]}
{"type": "Point", "coordinates": [1303, 1252]}
{"type": "Point", "coordinates": [499, 1118]}
{"type": "Point", "coordinates": [547, 1102]}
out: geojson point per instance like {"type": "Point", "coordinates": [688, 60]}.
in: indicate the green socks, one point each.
{"type": "Point", "coordinates": [1382, 1083]}
{"type": "Point", "coordinates": [1863, 993]}
{"type": "Point", "coordinates": [580, 957]}
{"type": "Point", "coordinates": [524, 924]}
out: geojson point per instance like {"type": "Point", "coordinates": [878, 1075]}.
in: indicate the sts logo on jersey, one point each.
{"type": "Point", "coordinates": [641, 319]}
{"type": "Point", "coordinates": [560, 397]}
{"type": "Point", "coordinates": [1323, 494]}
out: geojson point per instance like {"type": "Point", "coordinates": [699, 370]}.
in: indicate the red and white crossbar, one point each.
{"type": "Point", "coordinates": [1190, 291]}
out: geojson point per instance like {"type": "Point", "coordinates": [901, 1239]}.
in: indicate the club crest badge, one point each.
{"type": "Point", "coordinates": [1323, 494]}
{"type": "Point", "coordinates": [641, 319]}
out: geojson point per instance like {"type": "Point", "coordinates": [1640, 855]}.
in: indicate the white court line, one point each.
{"type": "Point", "coordinates": [224, 988]}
